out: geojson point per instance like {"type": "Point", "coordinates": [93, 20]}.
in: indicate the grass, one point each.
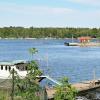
{"type": "Point", "coordinates": [6, 95]}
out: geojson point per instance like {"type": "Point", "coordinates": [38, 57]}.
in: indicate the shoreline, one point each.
{"type": "Point", "coordinates": [31, 38]}
{"type": "Point", "coordinates": [36, 38]}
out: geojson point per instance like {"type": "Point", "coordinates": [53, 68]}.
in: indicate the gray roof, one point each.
{"type": "Point", "coordinates": [12, 62]}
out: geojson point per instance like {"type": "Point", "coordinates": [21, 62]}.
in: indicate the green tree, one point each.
{"type": "Point", "coordinates": [33, 51]}
{"type": "Point", "coordinates": [32, 32]}
{"type": "Point", "coordinates": [28, 88]}
{"type": "Point", "coordinates": [65, 91]}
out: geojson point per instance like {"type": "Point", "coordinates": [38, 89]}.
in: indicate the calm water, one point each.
{"type": "Point", "coordinates": [55, 59]}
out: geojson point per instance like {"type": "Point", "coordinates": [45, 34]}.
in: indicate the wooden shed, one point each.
{"type": "Point", "coordinates": [84, 39]}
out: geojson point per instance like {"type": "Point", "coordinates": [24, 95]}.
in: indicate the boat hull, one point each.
{"type": "Point", "coordinates": [5, 83]}
{"type": "Point", "coordinates": [82, 44]}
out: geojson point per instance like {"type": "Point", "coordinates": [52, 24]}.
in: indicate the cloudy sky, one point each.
{"type": "Point", "coordinates": [50, 13]}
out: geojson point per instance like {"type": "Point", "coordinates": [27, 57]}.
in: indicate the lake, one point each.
{"type": "Point", "coordinates": [54, 57]}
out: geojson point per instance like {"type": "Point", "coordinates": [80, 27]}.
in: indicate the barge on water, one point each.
{"type": "Point", "coordinates": [82, 41]}
{"type": "Point", "coordinates": [70, 44]}
{"type": "Point", "coordinates": [82, 44]}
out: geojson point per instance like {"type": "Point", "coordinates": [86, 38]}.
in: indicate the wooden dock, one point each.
{"type": "Point", "coordinates": [82, 86]}
{"type": "Point", "coordinates": [82, 44]}
{"type": "Point", "coordinates": [87, 85]}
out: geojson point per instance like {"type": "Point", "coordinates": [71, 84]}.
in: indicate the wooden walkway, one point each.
{"type": "Point", "coordinates": [87, 85]}
{"type": "Point", "coordinates": [83, 86]}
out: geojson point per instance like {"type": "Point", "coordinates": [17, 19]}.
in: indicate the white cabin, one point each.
{"type": "Point", "coordinates": [19, 65]}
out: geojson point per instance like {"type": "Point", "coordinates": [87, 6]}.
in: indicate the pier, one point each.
{"type": "Point", "coordinates": [80, 87]}
{"type": "Point", "coordinates": [87, 85]}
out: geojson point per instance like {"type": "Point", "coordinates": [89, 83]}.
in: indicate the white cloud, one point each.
{"type": "Point", "coordinates": [16, 15]}
{"type": "Point", "coordinates": [88, 2]}
{"type": "Point", "coordinates": [34, 9]}
{"type": "Point", "coordinates": [85, 19]}
{"type": "Point", "coordinates": [11, 14]}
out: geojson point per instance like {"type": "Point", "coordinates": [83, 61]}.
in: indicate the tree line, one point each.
{"type": "Point", "coordinates": [33, 32]}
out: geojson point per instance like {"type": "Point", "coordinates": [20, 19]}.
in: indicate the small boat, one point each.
{"type": "Point", "coordinates": [20, 66]}
{"type": "Point", "coordinates": [83, 41]}
{"type": "Point", "coordinates": [82, 44]}
{"type": "Point", "coordinates": [71, 44]}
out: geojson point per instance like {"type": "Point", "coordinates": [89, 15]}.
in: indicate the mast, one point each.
{"type": "Point", "coordinates": [72, 38]}
{"type": "Point", "coordinates": [47, 64]}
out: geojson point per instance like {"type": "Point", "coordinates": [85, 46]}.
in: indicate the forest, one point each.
{"type": "Point", "coordinates": [33, 32]}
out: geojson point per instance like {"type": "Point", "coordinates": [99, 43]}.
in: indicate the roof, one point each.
{"type": "Point", "coordinates": [12, 62]}
{"type": "Point", "coordinates": [84, 37]}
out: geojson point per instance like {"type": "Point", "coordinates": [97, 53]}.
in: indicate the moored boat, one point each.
{"type": "Point", "coordinates": [82, 44]}
{"type": "Point", "coordinates": [71, 44]}
{"type": "Point", "coordinates": [5, 71]}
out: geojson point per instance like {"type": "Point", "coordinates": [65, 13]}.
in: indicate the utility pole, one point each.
{"type": "Point", "coordinates": [12, 94]}
{"type": "Point", "coordinates": [47, 62]}
{"type": "Point", "coordinates": [72, 38]}
{"type": "Point", "coordinates": [94, 76]}
{"type": "Point", "coordinates": [47, 59]}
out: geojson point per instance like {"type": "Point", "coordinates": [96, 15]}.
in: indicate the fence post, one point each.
{"type": "Point", "coordinates": [12, 94]}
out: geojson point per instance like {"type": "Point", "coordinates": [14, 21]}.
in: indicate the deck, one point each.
{"type": "Point", "coordinates": [87, 85]}
{"type": "Point", "coordinates": [82, 86]}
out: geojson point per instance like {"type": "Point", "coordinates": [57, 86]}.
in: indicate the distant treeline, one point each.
{"type": "Point", "coordinates": [21, 32]}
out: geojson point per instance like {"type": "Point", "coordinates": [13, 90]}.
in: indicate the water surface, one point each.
{"type": "Point", "coordinates": [55, 58]}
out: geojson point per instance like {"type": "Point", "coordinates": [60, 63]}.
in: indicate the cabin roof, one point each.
{"type": "Point", "coordinates": [12, 62]}
{"type": "Point", "coordinates": [84, 38]}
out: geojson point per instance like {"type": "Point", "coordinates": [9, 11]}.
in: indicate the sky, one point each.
{"type": "Point", "coordinates": [50, 13]}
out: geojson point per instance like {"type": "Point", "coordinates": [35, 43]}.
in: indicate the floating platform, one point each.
{"type": "Point", "coordinates": [82, 44]}
{"type": "Point", "coordinates": [71, 44]}
{"type": "Point", "coordinates": [80, 87]}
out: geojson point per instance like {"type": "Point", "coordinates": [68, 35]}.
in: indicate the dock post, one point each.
{"type": "Point", "coordinates": [94, 77]}
{"type": "Point", "coordinates": [12, 95]}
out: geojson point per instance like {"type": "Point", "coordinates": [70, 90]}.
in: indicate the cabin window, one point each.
{"type": "Point", "coordinates": [1, 67]}
{"type": "Point", "coordinates": [5, 67]}
{"type": "Point", "coordinates": [9, 68]}
{"type": "Point", "coordinates": [22, 69]}
{"type": "Point", "coordinates": [25, 67]}
{"type": "Point", "coordinates": [17, 67]}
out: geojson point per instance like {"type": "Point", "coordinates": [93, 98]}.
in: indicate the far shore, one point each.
{"type": "Point", "coordinates": [32, 38]}
{"type": "Point", "coordinates": [38, 38]}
